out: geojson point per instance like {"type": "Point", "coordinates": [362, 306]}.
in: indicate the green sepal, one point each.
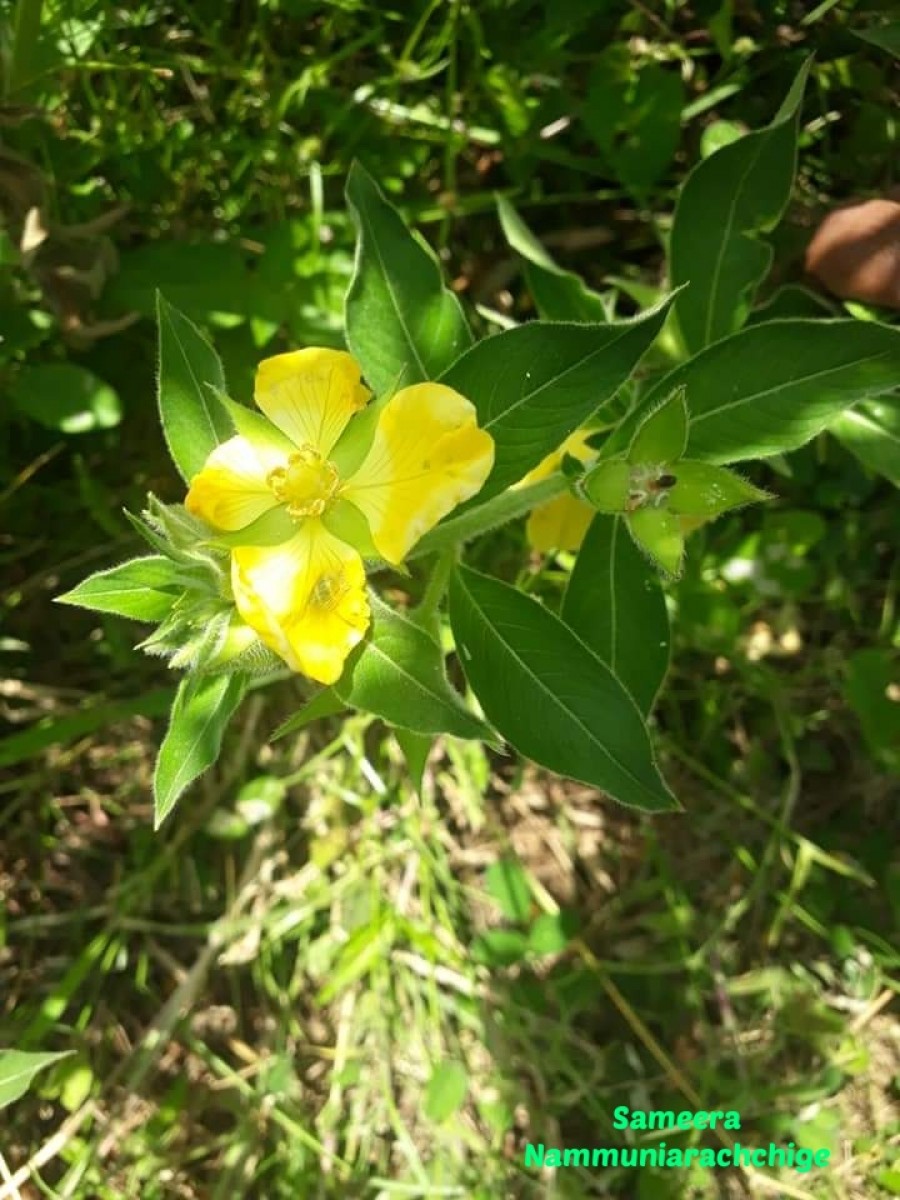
{"type": "Point", "coordinates": [271, 528]}
{"type": "Point", "coordinates": [662, 435]}
{"type": "Point", "coordinates": [705, 490]}
{"type": "Point", "coordinates": [349, 523]}
{"type": "Point", "coordinates": [606, 487]}
{"type": "Point", "coordinates": [657, 532]}
{"type": "Point", "coordinates": [253, 426]}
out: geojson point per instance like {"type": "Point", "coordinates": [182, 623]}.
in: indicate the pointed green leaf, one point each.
{"type": "Point", "coordinates": [143, 589]}
{"type": "Point", "coordinates": [773, 387]}
{"type": "Point", "coordinates": [658, 532]}
{"type": "Point", "coordinates": [615, 604]}
{"type": "Point", "coordinates": [403, 325]}
{"type": "Point", "coordinates": [415, 747]}
{"type": "Point", "coordinates": [705, 490]}
{"type": "Point", "coordinates": [325, 703]}
{"type": "Point", "coordinates": [662, 435]}
{"type": "Point", "coordinates": [549, 695]}
{"type": "Point", "coordinates": [727, 201]}
{"type": "Point", "coordinates": [203, 706]}
{"type": "Point", "coordinates": [18, 1068]}
{"type": "Point", "coordinates": [535, 385]}
{"type": "Point", "coordinates": [872, 433]}
{"type": "Point", "coordinates": [193, 421]}
{"type": "Point", "coordinates": [885, 37]}
{"type": "Point", "coordinates": [398, 674]}
{"type": "Point", "coordinates": [559, 295]}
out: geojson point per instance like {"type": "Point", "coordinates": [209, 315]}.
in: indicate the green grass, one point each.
{"type": "Point", "coordinates": [274, 996]}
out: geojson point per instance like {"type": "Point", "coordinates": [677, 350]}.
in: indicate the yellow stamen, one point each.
{"type": "Point", "coordinates": [307, 485]}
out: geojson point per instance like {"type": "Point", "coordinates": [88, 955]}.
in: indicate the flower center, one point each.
{"type": "Point", "coordinates": [649, 487]}
{"type": "Point", "coordinates": [306, 485]}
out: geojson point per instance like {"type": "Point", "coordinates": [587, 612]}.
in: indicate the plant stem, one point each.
{"type": "Point", "coordinates": [427, 612]}
{"type": "Point", "coordinates": [498, 511]}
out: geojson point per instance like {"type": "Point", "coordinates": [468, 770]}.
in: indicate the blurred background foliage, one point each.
{"type": "Point", "coordinates": [316, 982]}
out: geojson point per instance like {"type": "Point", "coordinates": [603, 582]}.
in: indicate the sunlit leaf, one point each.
{"type": "Point", "coordinates": [615, 604]}
{"type": "Point", "coordinates": [190, 374]}
{"type": "Point", "coordinates": [535, 385]}
{"type": "Point", "coordinates": [398, 674]}
{"type": "Point", "coordinates": [549, 695]}
{"type": "Point", "coordinates": [726, 203]}
{"type": "Point", "coordinates": [143, 589]}
{"type": "Point", "coordinates": [403, 324]}
{"type": "Point", "coordinates": [203, 706]}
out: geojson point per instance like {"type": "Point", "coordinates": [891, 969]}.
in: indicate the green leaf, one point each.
{"type": "Point", "coordinates": [143, 589]}
{"type": "Point", "coordinates": [885, 37]}
{"type": "Point", "coordinates": [446, 1091]}
{"type": "Point", "coordinates": [774, 387]}
{"type": "Point", "coordinates": [506, 882]}
{"type": "Point", "coordinates": [552, 932]}
{"type": "Point", "coordinates": [634, 116]}
{"type": "Point", "coordinates": [873, 675]}
{"type": "Point", "coordinates": [559, 295]}
{"type": "Point", "coordinates": [18, 1068]}
{"type": "Point", "coordinates": [500, 947]}
{"type": "Point", "coordinates": [549, 695]}
{"type": "Point", "coordinates": [615, 604]}
{"type": "Point", "coordinates": [403, 325]}
{"type": "Point", "coordinates": [536, 384]}
{"type": "Point", "coordinates": [872, 433]}
{"type": "Point", "coordinates": [66, 398]}
{"type": "Point", "coordinates": [325, 703]}
{"type": "Point", "coordinates": [662, 435]}
{"type": "Point", "coordinates": [203, 706]}
{"type": "Point", "coordinates": [727, 201]}
{"type": "Point", "coordinates": [190, 373]}
{"type": "Point", "coordinates": [705, 490]}
{"type": "Point", "coordinates": [398, 674]}
{"type": "Point", "coordinates": [658, 533]}
{"type": "Point", "coordinates": [415, 748]}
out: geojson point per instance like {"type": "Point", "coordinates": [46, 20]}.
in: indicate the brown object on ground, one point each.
{"type": "Point", "coordinates": [855, 253]}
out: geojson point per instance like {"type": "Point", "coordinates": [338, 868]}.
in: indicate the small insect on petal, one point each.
{"type": "Point", "coordinates": [328, 591]}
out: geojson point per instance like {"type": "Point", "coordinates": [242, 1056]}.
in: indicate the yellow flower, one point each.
{"type": "Point", "coordinates": [308, 476]}
{"type": "Point", "coordinates": [560, 524]}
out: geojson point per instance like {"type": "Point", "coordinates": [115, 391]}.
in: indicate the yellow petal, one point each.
{"type": "Point", "coordinates": [310, 395]}
{"type": "Point", "coordinates": [427, 456]}
{"type": "Point", "coordinates": [575, 444]}
{"type": "Point", "coordinates": [306, 598]}
{"type": "Point", "coordinates": [231, 490]}
{"type": "Point", "coordinates": [559, 524]}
